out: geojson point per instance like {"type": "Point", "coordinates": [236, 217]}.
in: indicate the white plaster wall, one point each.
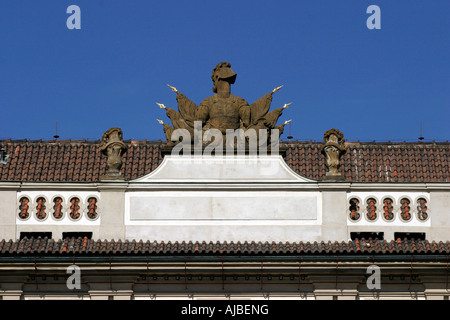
{"type": "Point", "coordinates": [440, 204]}
{"type": "Point", "coordinates": [7, 210]}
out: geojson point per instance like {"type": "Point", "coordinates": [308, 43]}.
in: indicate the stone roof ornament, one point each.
{"type": "Point", "coordinates": [333, 148]}
{"type": "Point", "coordinates": [223, 110]}
{"type": "Point", "coordinates": [113, 147]}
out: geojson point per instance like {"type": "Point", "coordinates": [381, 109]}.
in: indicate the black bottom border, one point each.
{"type": "Point", "coordinates": [224, 309]}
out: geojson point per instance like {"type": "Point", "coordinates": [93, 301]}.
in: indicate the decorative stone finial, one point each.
{"type": "Point", "coordinates": [113, 147]}
{"type": "Point", "coordinates": [333, 148]}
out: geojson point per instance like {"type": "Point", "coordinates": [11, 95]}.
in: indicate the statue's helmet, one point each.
{"type": "Point", "coordinates": [223, 71]}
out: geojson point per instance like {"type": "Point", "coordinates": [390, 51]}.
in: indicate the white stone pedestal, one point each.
{"type": "Point", "coordinates": [229, 198]}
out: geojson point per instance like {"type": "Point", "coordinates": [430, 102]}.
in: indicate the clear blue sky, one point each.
{"type": "Point", "coordinates": [370, 84]}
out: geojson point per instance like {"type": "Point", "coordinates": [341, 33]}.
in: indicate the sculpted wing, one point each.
{"type": "Point", "coordinates": [186, 107]}
{"type": "Point", "coordinates": [260, 107]}
{"type": "Point", "coordinates": [271, 118]}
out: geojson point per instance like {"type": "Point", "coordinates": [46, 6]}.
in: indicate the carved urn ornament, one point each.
{"type": "Point", "coordinates": [333, 148]}
{"type": "Point", "coordinates": [113, 147]}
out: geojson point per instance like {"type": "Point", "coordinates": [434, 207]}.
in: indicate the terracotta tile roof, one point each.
{"type": "Point", "coordinates": [85, 246]}
{"type": "Point", "coordinates": [73, 161]}
{"type": "Point", "coordinates": [82, 161]}
{"type": "Point", "coordinates": [377, 162]}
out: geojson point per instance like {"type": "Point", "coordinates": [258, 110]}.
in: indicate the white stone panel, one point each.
{"type": "Point", "coordinates": [212, 198]}
{"type": "Point", "coordinates": [223, 215]}
{"type": "Point", "coordinates": [222, 205]}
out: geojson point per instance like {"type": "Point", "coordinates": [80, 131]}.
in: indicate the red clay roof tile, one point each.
{"type": "Point", "coordinates": [79, 246]}
{"type": "Point", "coordinates": [83, 162]}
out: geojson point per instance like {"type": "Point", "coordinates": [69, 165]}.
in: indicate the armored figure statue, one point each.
{"type": "Point", "coordinates": [223, 110]}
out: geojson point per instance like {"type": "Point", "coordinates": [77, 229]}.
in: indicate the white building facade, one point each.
{"type": "Point", "coordinates": [223, 227]}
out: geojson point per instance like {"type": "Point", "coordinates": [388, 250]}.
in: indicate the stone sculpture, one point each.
{"type": "Point", "coordinates": [223, 110]}
{"type": "Point", "coordinates": [113, 147]}
{"type": "Point", "coordinates": [333, 148]}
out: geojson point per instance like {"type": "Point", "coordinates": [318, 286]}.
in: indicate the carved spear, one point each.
{"type": "Point", "coordinates": [173, 88]}
{"type": "Point", "coordinates": [277, 88]}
